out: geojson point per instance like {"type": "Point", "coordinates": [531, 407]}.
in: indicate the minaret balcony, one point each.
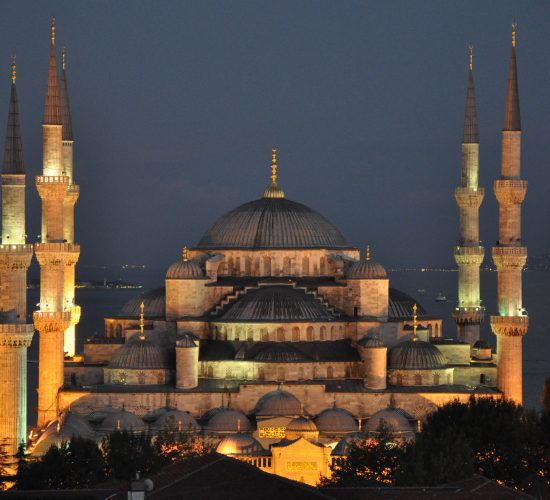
{"type": "Point", "coordinates": [469, 197]}
{"type": "Point", "coordinates": [53, 254]}
{"type": "Point", "coordinates": [468, 315]}
{"type": "Point", "coordinates": [13, 180]}
{"type": "Point", "coordinates": [16, 335]}
{"type": "Point", "coordinates": [510, 326]}
{"type": "Point", "coordinates": [47, 322]}
{"type": "Point", "coordinates": [469, 256]}
{"type": "Point", "coordinates": [510, 191]}
{"type": "Point", "coordinates": [13, 257]}
{"type": "Point", "coordinates": [511, 257]}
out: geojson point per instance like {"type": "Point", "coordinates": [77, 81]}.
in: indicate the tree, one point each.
{"type": "Point", "coordinates": [369, 462]}
{"type": "Point", "coordinates": [5, 463]}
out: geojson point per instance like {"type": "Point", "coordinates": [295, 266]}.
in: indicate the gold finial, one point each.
{"type": "Point", "coordinates": [238, 425]}
{"type": "Point", "coordinates": [13, 69]}
{"type": "Point", "coordinates": [52, 30]}
{"type": "Point", "coordinates": [141, 321]}
{"type": "Point", "coordinates": [274, 165]}
{"type": "Point", "coordinates": [63, 58]}
{"type": "Point", "coordinates": [514, 28]}
{"type": "Point", "coordinates": [185, 254]}
{"type": "Point", "coordinates": [471, 57]}
{"type": "Point", "coordinates": [415, 324]}
{"type": "Point", "coordinates": [367, 253]}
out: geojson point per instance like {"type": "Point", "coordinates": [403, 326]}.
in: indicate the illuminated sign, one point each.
{"type": "Point", "coordinates": [301, 466]}
{"type": "Point", "coordinates": [271, 432]}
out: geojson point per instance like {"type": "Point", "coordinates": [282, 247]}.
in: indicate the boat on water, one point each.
{"type": "Point", "coordinates": [440, 297]}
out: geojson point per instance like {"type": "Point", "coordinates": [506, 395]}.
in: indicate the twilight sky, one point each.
{"type": "Point", "coordinates": [176, 105]}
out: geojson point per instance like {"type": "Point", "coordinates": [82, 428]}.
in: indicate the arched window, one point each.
{"type": "Point", "coordinates": [267, 266]}
{"type": "Point", "coordinates": [332, 332]}
{"type": "Point", "coordinates": [323, 333]}
{"type": "Point", "coordinates": [280, 334]}
{"type": "Point", "coordinates": [482, 379]}
{"type": "Point", "coordinates": [418, 379]}
{"type": "Point", "coordinates": [347, 371]}
{"type": "Point", "coordinates": [249, 334]}
{"type": "Point", "coordinates": [399, 379]}
{"type": "Point", "coordinates": [286, 266]}
{"type": "Point", "coordinates": [330, 372]}
{"type": "Point", "coordinates": [323, 267]}
{"type": "Point", "coordinates": [309, 333]}
{"type": "Point", "coordinates": [230, 267]}
{"type": "Point", "coordinates": [222, 269]}
{"type": "Point", "coordinates": [210, 372]}
{"type": "Point", "coordinates": [256, 267]}
{"type": "Point", "coordinates": [437, 330]}
{"type": "Point", "coordinates": [239, 333]}
{"type": "Point", "coordinates": [247, 266]}
{"type": "Point", "coordinates": [301, 373]}
{"type": "Point", "coordinates": [436, 378]}
{"type": "Point", "coordinates": [237, 266]}
{"type": "Point", "coordinates": [280, 373]}
{"type": "Point", "coordinates": [295, 334]}
{"type": "Point", "coordinates": [111, 330]}
{"type": "Point", "coordinates": [264, 334]}
{"type": "Point", "coordinates": [305, 266]}
{"type": "Point", "coordinates": [261, 373]}
{"type": "Point", "coordinates": [315, 372]}
{"type": "Point", "coordinates": [119, 330]}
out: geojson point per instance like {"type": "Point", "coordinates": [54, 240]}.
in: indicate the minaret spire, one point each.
{"type": "Point", "coordinates": [509, 255]}
{"type": "Point", "coordinates": [512, 119]}
{"type": "Point", "coordinates": [469, 254]}
{"type": "Point", "coordinates": [52, 111]}
{"type": "Point", "coordinates": [67, 131]}
{"type": "Point", "coordinates": [13, 148]}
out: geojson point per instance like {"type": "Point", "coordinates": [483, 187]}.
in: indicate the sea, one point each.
{"type": "Point", "coordinates": [424, 286]}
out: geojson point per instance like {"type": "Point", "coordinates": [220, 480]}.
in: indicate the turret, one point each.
{"type": "Point", "coordinates": [468, 253]}
{"type": "Point", "coordinates": [187, 362]}
{"type": "Point", "coordinates": [56, 256]}
{"type": "Point", "coordinates": [509, 255]}
{"type": "Point", "coordinates": [374, 355]}
{"type": "Point", "coordinates": [15, 258]}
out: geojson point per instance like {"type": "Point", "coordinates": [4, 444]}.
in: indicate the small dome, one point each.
{"type": "Point", "coordinates": [72, 425]}
{"type": "Point", "coordinates": [140, 354]}
{"type": "Point", "coordinates": [228, 420]}
{"type": "Point", "coordinates": [481, 344]}
{"type": "Point", "coordinates": [344, 445]}
{"type": "Point", "coordinates": [186, 340]}
{"type": "Point", "coordinates": [301, 427]}
{"type": "Point", "coordinates": [280, 353]}
{"type": "Point", "coordinates": [277, 303]}
{"type": "Point", "coordinates": [395, 419]}
{"type": "Point", "coordinates": [176, 420]}
{"type": "Point", "coordinates": [371, 342]}
{"type": "Point", "coordinates": [154, 302]}
{"type": "Point", "coordinates": [416, 355]}
{"type": "Point", "coordinates": [336, 421]}
{"type": "Point", "coordinates": [278, 403]}
{"type": "Point", "coordinates": [122, 420]}
{"type": "Point", "coordinates": [239, 444]}
{"type": "Point", "coordinates": [185, 270]}
{"type": "Point", "coordinates": [366, 270]}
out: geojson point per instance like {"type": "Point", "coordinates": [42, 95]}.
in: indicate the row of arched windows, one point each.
{"type": "Point", "coordinates": [281, 334]}
{"type": "Point", "coordinates": [268, 266]}
{"type": "Point", "coordinates": [113, 330]}
{"type": "Point", "coordinates": [304, 373]}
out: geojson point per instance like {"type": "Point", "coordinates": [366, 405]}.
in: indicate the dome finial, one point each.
{"type": "Point", "coordinates": [52, 31]}
{"type": "Point", "coordinates": [141, 321]}
{"type": "Point", "coordinates": [415, 324]}
{"type": "Point", "coordinates": [185, 254]}
{"type": "Point", "coordinates": [63, 58]}
{"type": "Point", "coordinates": [471, 55]}
{"type": "Point", "coordinates": [514, 28]}
{"type": "Point", "coordinates": [238, 426]}
{"type": "Point", "coordinates": [13, 69]}
{"type": "Point", "coordinates": [367, 253]}
{"type": "Point", "coordinates": [273, 190]}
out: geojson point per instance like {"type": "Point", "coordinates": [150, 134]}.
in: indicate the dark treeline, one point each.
{"type": "Point", "coordinates": [497, 439]}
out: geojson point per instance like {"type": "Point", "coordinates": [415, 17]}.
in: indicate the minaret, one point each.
{"type": "Point", "coordinates": [509, 255]}
{"type": "Point", "coordinates": [70, 199]}
{"type": "Point", "coordinates": [468, 253]}
{"type": "Point", "coordinates": [15, 258]}
{"type": "Point", "coordinates": [56, 257]}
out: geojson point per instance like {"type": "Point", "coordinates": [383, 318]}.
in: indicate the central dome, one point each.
{"type": "Point", "coordinates": [272, 223]}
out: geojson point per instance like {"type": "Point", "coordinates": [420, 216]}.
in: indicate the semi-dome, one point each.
{"type": "Point", "coordinates": [416, 355]}
{"type": "Point", "coordinates": [277, 303]}
{"type": "Point", "coordinates": [395, 419]}
{"type": "Point", "coordinates": [176, 420]}
{"type": "Point", "coordinates": [122, 420]}
{"type": "Point", "coordinates": [278, 403]}
{"type": "Point", "coordinates": [371, 342]}
{"type": "Point", "coordinates": [301, 427]}
{"type": "Point", "coordinates": [140, 354]}
{"type": "Point", "coordinates": [239, 444]}
{"type": "Point", "coordinates": [366, 269]}
{"type": "Point", "coordinates": [154, 302]}
{"type": "Point", "coordinates": [336, 421]}
{"type": "Point", "coordinates": [272, 222]}
{"type": "Point", "coordinates": [228, 420]}
{"type": "Point", "coordinates": [185, 270]}
{"type": "Point", "coordinates": [280, 353]}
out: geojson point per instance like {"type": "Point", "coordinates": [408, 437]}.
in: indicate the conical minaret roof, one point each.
{"type": "Point", "coordinates": [512, 119]}
{"type": "Point", "coordinates": [52, 109]}
{"type": "Point", "coordinates": [13, 148]}
{"type": "Point", "coordinates": [470, 132]}
{"type": "Point", "coordinates": [67, 133]}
